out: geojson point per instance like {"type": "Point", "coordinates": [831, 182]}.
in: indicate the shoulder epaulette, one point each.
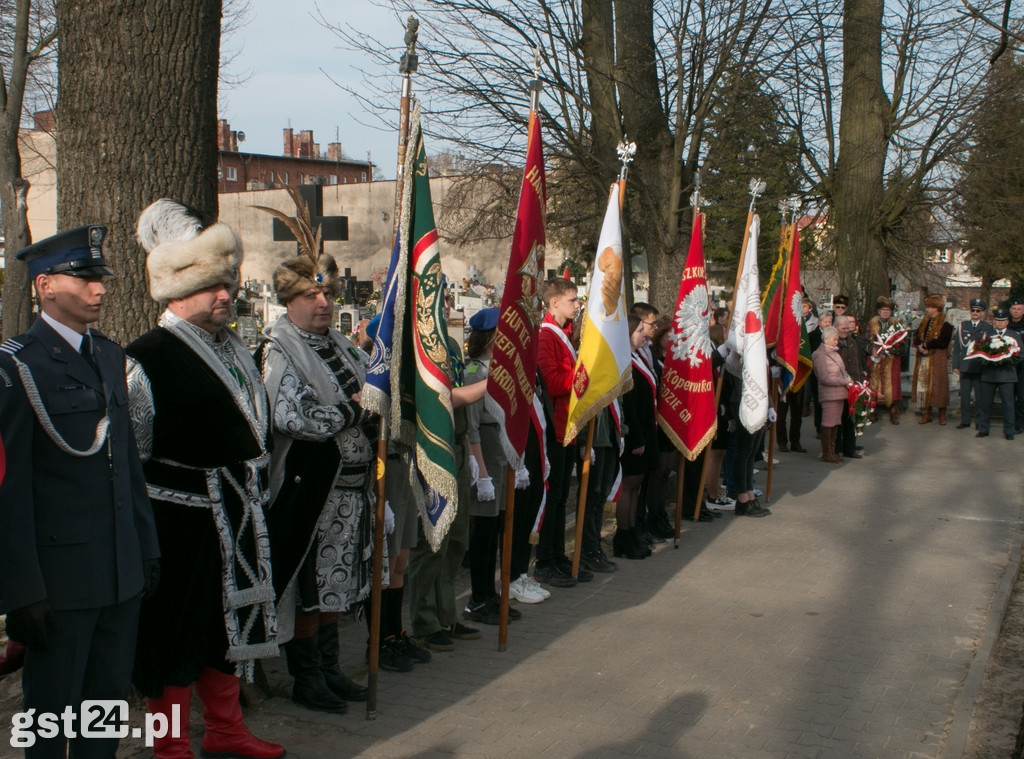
{"type": "Point", "coordinates": [15, 344]}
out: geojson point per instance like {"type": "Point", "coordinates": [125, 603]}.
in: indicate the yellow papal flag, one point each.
{"type": "Point", "coordinates": [603, 370]}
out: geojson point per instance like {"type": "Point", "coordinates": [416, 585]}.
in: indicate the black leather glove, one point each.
{"type": "Point", "coordinates": [31, 625]}
{"type": "Point", "coordinates": [151, 577]}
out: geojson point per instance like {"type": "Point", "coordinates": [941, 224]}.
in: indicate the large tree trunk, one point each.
{"type": "Point", "coordinates": [17, 298]}
{"type": "Point", "coordinates": [863, 136]}
{"type": "Point", "coordinates": [656, 165]}
{"type": "Point", "coordinates": [136, 121]}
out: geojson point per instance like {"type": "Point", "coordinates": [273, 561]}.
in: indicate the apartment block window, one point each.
{"type": "Point", "coordinates": [333, 179]}
{"type": "Point", "coordinates": [285, 179]}
{"type": "Point", "coordinates": [364, 177]}
{"type": "Point", "coordinates": [231, 174]}
{"type": "Point", "coordinates": [270, 177]}
{"type": "Point", "coordinates": [344, 180]}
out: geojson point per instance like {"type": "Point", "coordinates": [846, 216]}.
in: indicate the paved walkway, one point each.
{"type": "Point", "coordinates": [853, 622]}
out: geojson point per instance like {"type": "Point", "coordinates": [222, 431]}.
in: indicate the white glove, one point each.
{"type": "Point", "coordinates": [389, 518]}
{"type": "Point", "coordinates": [474, 471]}
{"type": "Point", "coordinates": [593, 457]}
{"type": "Point", "coordinates": [772, 416]}
{"type": "Point", "coordinates": [485, 489]}
{"type": "Point", "coordinates": [522, 478]}
{"type": "Point", "coordinates": [775, 372]}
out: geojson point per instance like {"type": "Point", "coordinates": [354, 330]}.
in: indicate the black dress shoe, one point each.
{"type": "Point", "coordinates": [981, 434]}
{"type": "Point", "coordinates": [962, 426]}
{"type": "Point", "coordinates": [1009, 436]}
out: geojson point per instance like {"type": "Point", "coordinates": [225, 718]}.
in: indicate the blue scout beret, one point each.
{"type": "Point", "coordinates": [485, 319]}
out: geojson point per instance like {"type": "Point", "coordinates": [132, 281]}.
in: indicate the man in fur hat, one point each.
{"type": "Point", "coordinates": [323, 457]}
{"type": "Point", "coordinates": [884, 364]}
{"type": "Point", "coordinates": [201, 419]}
{"type": "Point", "coordinates": [931, 373]}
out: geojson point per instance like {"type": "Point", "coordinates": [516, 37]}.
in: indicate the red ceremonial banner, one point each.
{"type": "Point", "coordinates": [513, 368]}
{"type": "Point", "coordinates": [686, 398]}
{"type": "Point", "coordinates": [793, 350]}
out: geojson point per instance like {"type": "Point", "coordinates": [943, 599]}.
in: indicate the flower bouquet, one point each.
{"type": "Point", "coordinates": [862, 399]}
{"type": "Point", "coordinates": [998, 349]}
{"type": "Point", "coordinates": [885, 342]}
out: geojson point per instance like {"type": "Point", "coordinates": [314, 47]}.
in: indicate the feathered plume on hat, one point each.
{"type": "Point", "coordinates": [312, 267]}
{"type": "Point", "coordinates": [186, 251]}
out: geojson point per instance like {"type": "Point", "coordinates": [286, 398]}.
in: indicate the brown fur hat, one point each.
{"type": "Point", "coordinates": [884, 302]}
{"type": "Point", "coordinates": [935, 301]}
{"type": "Point", "coordinates": [186, 252]}
{"type": "Point", "coordinates": [299, 274]}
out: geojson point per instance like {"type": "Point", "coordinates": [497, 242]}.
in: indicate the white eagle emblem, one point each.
{"type": "Point", "coordinates": [797, 306]}
{"type": "Point", "coordinates": [692, 342]}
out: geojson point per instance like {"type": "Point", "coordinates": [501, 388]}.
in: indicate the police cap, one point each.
{"type": "Point", "coordinates": [1000, 313]}
{"type": "Point", "coordinates": [78, 252]}
{"type": "Point", "coordinates": [978, 303]}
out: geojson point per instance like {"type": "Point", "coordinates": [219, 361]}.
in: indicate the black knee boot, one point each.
{"type": "Point", "coordinates": [310, 689]}
{"type": "Point", "coordinates": [337, 681]}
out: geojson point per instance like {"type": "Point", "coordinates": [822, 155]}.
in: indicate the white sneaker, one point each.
{"type": "Point", "coordinates": [522, 592]}
{"type": "Point", "coordinates": [722, 503]}
{"type": "Point", "coordinates": [538, 587]}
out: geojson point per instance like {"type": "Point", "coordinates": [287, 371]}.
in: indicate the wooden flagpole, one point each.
{"type": "Point", "coordinates": [756, 188]}
{"type": "Point", "coordinates": [407, 67]}
{"type": "Point", "coordinates": [510, 483]}
{"type": "Point", "coordinates": [581, 501]}
{"type": "Point", "coordinates": [790, 204]}
{"type": "Point", "coordinates": [506, 556]}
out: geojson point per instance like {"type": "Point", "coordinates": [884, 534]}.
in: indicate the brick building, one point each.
{"type": "Point", "coordinates": [300, 163]}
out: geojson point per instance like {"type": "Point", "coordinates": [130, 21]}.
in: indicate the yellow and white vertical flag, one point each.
{"type": "Point", "coordinates": [603, 371]}
{"type": "Point", "coordinates": [746, 336]}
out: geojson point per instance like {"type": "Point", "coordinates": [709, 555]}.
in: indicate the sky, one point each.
{"type": "Point", "coordinates": [280, 52]}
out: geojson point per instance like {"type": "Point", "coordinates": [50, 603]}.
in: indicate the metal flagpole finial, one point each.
{"type": "Point", "coordinates": [534, 84]}
{"type": "Point", "coordinates": [410, 61]}
{"type": "Point", "coordinates": [695, 198]}
{"type": "Point", "coordinates": [625, 151]}
{"type": "Point", "coordinates": [793, 204]}
{"type": "Point", "coordinates": [757, 187]}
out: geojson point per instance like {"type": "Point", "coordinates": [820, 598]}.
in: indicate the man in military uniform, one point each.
{"type": "Point", "coordinates": [969, 370]}
{"type": "Point", "coordinates": [78, 547]}
{"type": "Point", "coordinates": [201, 419]}
{"type": "Point", "coordinates": [1016, 307]}
{"type": "Point", "coordinates": [999, 376]}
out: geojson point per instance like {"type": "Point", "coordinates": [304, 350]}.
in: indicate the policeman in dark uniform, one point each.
{"type": "Point", "coordinates": [1016, 307]}
{"type": "Point", "coordinates": [78, 546]}
{"type": "Point", "coordinates": [1001, 377]}
{"type": "Point", "coordinates": [969, 370]}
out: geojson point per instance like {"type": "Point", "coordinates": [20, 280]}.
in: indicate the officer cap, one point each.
{"type": "Point", "coordinates": [78, 252]}
{"type": "Point", "coordinates": [1015, 302]}
{"type": "Point", "coordinates": [1000, 313]}
{"type": "Point", "coordinates": [978, 303]}
{"type": "Point", "coordinates": [485, 319]}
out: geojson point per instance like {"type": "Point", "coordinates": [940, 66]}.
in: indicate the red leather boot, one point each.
{"type": "Point", "coordinates": [226, 733]}
{"type": "Point", "coordinates": [171, 747]}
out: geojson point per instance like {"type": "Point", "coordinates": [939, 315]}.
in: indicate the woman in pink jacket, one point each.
{"type": "Point", "coordinates": [833, 382]}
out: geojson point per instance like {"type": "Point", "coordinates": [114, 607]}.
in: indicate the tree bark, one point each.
{"type": "Point", "coordinates": [136, 121]}
{"type": "Point", "coordinates": [17, 293]}
{"type": "Point", "coordinates": [863, 138]}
